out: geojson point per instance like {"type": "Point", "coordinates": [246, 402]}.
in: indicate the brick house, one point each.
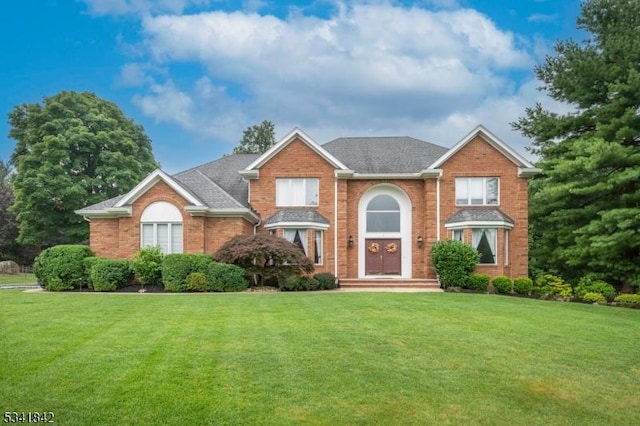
{"type": "Point", "coordinates": [366, 209]}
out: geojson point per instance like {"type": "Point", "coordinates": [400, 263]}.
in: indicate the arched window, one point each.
{"type": "Point", "coordinates": [161, 226]}
{"type": "Point", "coordinates": [383, 214]}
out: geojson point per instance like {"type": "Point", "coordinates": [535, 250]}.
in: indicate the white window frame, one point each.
{"type": "Point", "coordinates": [172, 246]}
{"type": "Point", "coordinates": [288, 193]}
{"type": "Point", "coordinates": [492, 244]}
{"type": "Point", "coordinates": [318, 236]}
{"type": "Point", "coordinates": [463, 184]}
{"type": "Point", "coordinates": [457, 235]}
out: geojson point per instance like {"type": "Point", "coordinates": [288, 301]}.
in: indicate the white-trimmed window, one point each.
{"type": "Point", "coordinates": [161, 226]}
{"type": "Point", "coordinates": [485, 240]}
{"type": "Point", "coordinates": [383, 214]}
{"type": "Point", "coordinates": [458, 235]}
{"type": "Point", "coordinates": [297, 237]}
{"type": "Point", "coordinates": [477, 191]}
{"type": "Point", "coordinates": [297, 192]}
{"type": "Point", "coordinates": [318, 247]}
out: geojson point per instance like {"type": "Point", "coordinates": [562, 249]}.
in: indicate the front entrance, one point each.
{"type": "Point", "coordinates": [383, 256]}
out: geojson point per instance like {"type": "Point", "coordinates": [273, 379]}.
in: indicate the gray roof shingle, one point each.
{"type": "Point", "coordinates": [385, 154]}
{"type": "Point", "coordinates": [479, 214]}
{"type": "Point", "coordinates": [299, 215]}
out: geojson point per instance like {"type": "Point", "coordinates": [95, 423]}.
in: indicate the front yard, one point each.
{"type": "Point", "coordinates": [317, 358]}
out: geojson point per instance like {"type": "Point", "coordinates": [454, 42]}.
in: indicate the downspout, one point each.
{"type": "Point", "coordinates": [335, 224]}
{"type": "Point", "coordinates": [438, 209]}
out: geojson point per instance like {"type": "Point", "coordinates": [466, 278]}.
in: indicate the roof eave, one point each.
{"type": "Point", "coordinates": [148, 182]}
{"type": "Point", "coordinates": [424, 174]}
{"type": "Point", "coordinates": [108, 213]}
{"type": "Point", "coordinates": [479, 223]}
{"type": "Point", "coordinates": [223, 212]}
{"type": "Point", "coordinates": [527, 172]}
{"type": "Point", "coordinates": [312, 225]}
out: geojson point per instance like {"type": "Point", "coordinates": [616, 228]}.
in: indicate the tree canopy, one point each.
{"type": "Point", "coordinates": [257, 139]}
{"type": "Point", "coordinates": [585, 206]}
{"type": "Point", "coordinates": [73, 150]}
{"type": "Point", "coordinates": [8, 225]}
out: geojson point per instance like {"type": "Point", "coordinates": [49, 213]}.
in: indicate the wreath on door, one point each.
{"type": "Point", "coordinates": [373, 248]}
{"type": "Point", "coordinates": [391, 248]}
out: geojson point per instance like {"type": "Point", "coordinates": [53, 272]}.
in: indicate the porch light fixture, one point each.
{"type": "Point", "coordinates": [420, 241]}
{"type": "Point", "coordinates": [350, 241]}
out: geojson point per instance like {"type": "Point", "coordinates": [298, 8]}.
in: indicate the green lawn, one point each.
{"type": "Point", "coordinates": [17, 279]}
{"type": "Point", "coordinates": [318, 358]}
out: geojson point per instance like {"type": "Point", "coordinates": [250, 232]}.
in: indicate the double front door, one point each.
{"type": "Point", "coordinates": [382, 256]}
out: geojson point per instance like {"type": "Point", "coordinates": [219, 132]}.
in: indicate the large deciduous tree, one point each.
{"type": "Point", "coordinates": [585, 207]}
{"type": "Point", "coordinates": [8, 225]}
{"type": "Point", "coordinates": [257, 139]}
{"type": "Point", "coordinates": [73, 150]}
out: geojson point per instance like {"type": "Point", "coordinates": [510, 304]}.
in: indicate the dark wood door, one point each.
{"type": "Point", "coordinates": [382, 256]}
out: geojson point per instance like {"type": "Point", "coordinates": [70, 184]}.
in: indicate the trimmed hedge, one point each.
{"type": "Point", "coordinates": [502, 284]}
{"type": "Point", "coordinates": [226, 277]}
{"type": "Point", "coordinates": [478, 282]}
{"type": "Point", "coordinates": [454, 262]}
{"type": "Point", "coordinates": [628, 300]}
{"type": "Point", "coordinates": [62, 267]}
{"type": "Point", "coordinates": [523, 285]}
{"type": "Point", "coordinates": [295, 283]}
{"type": "Point", "coordinates": [594, 298]}
{"type": "Point", "coordinates": [111, 274]}
{"type": "Point", "coordinates": [197, 281]}
{"type": "Point", "coordinates": [326, 280]}
{"type": "Point", "coordinates": [177, 267]}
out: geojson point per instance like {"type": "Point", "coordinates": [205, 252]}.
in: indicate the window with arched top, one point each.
{"type": "Point", "coordinates": [161, 226]}
{"type": "Point", "coordinates": [383, 214]}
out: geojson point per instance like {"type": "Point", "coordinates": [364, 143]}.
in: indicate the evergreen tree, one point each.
{"type": "Point", "coordinates": [585, 207]}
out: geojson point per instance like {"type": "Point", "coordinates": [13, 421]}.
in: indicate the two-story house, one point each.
{"type": "Point", "coordinates": [366, 209]}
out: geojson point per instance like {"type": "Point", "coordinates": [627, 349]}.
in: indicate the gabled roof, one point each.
{"type": "Point", "coordinates": [252, 169]}
{"type": "Point", "coordinates": [525, 168]}
{"type": "Point", "coordinates": [214, 188]}
{"type": "Point", "coordinates": [385, 155]}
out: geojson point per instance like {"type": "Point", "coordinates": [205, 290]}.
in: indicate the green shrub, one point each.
{"type": "Point", "coordinates": [226, 277]}
{"type": "Point", "coordinates": [62, 267]}
{"type": "Point", "coordinates": [548, 284]}
{"type": "Point", "coordinates": [502, 284]}
{"type": "Point", "coordinates": [177, 267]}
{"type": "Point", "coordinates": [147, 265]}
{"type": "Point", "coordinates": [453, 261]}
{"type": "Point", "coordinates": [110, 274]}
{"type": "Point", "coordinates": [523, 285]}
{"type": "Point", "coordinates": [326, 280]}
{"type": "Point", "coordinates": [88, 264]}
{"type": "Point", "coordinates": [197, 281]}
{"type": "Point", "coordinates": [588, 285]}
{"type": "Point", "coordinates": [478, 282]}
{"type": "Point", "coordinates": [594, 298]}
{"type": "Point", "coordinates": [296, 283]}
{"type": "Point", "coordinates": [628, 299]}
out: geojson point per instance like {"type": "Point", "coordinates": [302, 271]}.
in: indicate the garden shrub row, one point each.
{"type": "Point", "coordinates": [320, 281]}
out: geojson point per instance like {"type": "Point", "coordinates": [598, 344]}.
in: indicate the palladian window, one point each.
{"type": "Point", "coordinates": [161, 226]}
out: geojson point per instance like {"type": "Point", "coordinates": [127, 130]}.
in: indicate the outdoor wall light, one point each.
{"type": "Point", "coordinates": [420, 241]}
{"type": "Point", "coordinates": [350, 241]}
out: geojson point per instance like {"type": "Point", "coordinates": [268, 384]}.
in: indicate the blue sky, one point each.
{"type": "Point", "coordinates": [196, 73]}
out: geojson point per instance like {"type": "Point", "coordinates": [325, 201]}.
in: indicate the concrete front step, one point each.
{"type": "Point", "coordinates": [389, 284]}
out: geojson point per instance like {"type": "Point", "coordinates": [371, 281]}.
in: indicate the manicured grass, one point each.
{"type": "Point", "coordinates": [318, 358]}
{"type": "Point", "coordinates": [18, 279]}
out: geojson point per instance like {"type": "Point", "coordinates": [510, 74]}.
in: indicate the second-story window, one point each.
{"type": "Point", "coordinates": [297, 192]}
{"type": "Point", "coordinates": [477, 191]}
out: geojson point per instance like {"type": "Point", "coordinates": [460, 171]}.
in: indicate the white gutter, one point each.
{"type": "Point", "coordinates": [438, 210]}
{"type": "Point", "coordinates": [335, 225]}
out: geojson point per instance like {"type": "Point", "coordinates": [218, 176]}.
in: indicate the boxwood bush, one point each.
{"type": "Point", "coordinates": [62, 267]}
{"type": "Point", "coordinates": [226, 277]}
{"type": "Point", "coordinates": [502, 284]}
{"type": "Point", "coordinates": [197, 281]}
{"type": "Point", "coordinates": [111, 274]}
{"type": "Point", "coordinates": [523, 285]}
{"type": "Point", "coordinates": [454, 261]}
{"type": "Point", "coordinates": [594, 298]}
{"type": "Point", "coordinates": [326, 280]}
{"type": "Point", "coordinates": [177, 267]}
{"type": "Point", "coordinates": [478, 282]}
{"type": "Point", "coordinates": [296, 283]}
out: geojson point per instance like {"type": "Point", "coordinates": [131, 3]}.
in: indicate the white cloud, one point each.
{"type": "Point", "coordinates": [369, 69]}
